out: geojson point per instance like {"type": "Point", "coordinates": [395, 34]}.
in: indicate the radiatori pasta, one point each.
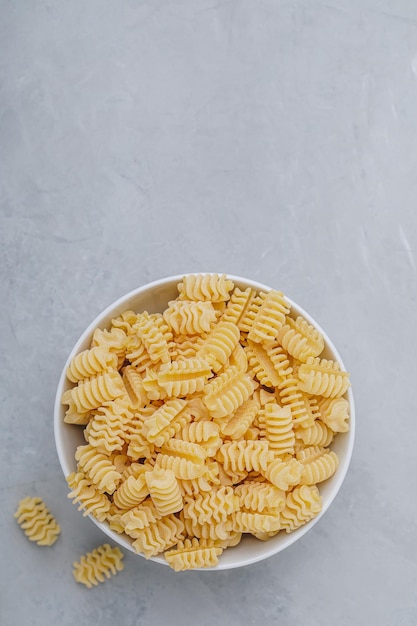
{"type": "Point", "coordinates": [208, 421]}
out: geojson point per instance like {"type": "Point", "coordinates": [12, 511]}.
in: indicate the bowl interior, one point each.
{"type": "Point", "coordinates": [154, 298]}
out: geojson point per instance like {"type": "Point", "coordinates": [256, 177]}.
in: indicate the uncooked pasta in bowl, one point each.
{"type": "Point", "coordinates": [204, 421]}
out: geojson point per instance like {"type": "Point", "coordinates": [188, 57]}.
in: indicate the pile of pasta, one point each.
{"type": "Point", "coordinates": [205, 422]}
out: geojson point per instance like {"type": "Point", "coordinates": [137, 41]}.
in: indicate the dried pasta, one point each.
{"type": "Point", "coordinates": [95, 566]}
{"type": "Point", "coordinates": [211, 420]}
{"type": "Point", "coordinates": [37, 522]}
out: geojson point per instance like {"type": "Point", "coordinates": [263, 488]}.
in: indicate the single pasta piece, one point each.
{"type": "Point", "coordinates": [279, 428]}
{"type": "Point", "coordinates": [302, 504]}
{"type": "Point", "coordinates": [90, 363]}
{"type": "Point", "coordinates": [204, 433]}
{"type": "Point", "coordinates": [166, 422]}
{"type": "Point", "coordinates": [239, 308]}
{"type": "Point", "coordinates": [138, 518]}
{"type": "Point", "coordinates": [317, 435]}
{"type": "Point", "coordinates": [245, 455]}
{"type": "Point", "coordinates": [93, 392]}
{"type": "Point", "coordinates": [244, 522]}
{"type": "Point", "coordinates": [185, 377]}
{"type": "Point", "coordinates": [164, 491]}
{"type": "Point", "coordinates": [205, 287]}
{"type": "Point", "coordinates": [159, 536]}
{"type": "Point", "coordinates": [215, 506]}
{"type": "Point", "coordinates": [95, 566]}
{"type": "Point", "coordinates": [107, 430]}
{"type": "Point", "coordinates": [323, 378]}
{"type": "Point", "coordinates": [98, 468]}
{"type": "Point", "coordinates": [37, 522]}
{"type": "Point", "coordinates": [227, 392]}
{"type": "Point", "coordinates": [310, 453]}
{"type": "Point", "coordinates": [320, 469]}
{"type": "Point", "coordinates": [84, 493]}
{"type": "Point", "coordinates": [240, 421]}
{"type": "Point", "coordinates": [189, 318]}
{"type": "Point", "coordinates": [133, 382]}
{"type": "Point", "coordinates": [291, 396]}
{"type": "Point", "coordinates": [113, 518]}
{"type": "Point", "coordinates": [215, 532]}
{"type": "Point", "coordinates": [262, 365]}
{"type": "Point", "coordinates": [269, 317]}
{"type": "Point", "coordinates": [192, 554]}
{"type": "Point", "coordinates": [284, 474]}
{"type": "Point", "coordinates": [335, 414]}
{"type": "Point", "coordinates": [182, 468]}
{"type": "Point", "coordinates": [257, 497]}
{"type": "Point", "coordinates": [219, 345]}
{"type": "Point", "coordinates": [238, 359]}
{"type": "Point", "coordinates": [185, 346]}
{"type": "Point", "coordinates": [300, 339]}
{"type": "Point", "coordinates": [126, 322]}
{"type": "Point", "coordinates": [114, 340]}
{"type": "Point", "coordinates": [193, 452]}
{"type": "Point", "coordinates": [131, 492]}
{"type": "Point", "coordinates": [137, 354]}
{"type": "Point", "coordinates": [152, 337]}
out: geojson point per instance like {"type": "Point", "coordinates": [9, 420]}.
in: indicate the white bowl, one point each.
{"type": "Point", "coordinates": [153, 298]}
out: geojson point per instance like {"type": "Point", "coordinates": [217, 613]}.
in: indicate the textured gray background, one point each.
{"type": "Point", "coordinates": [269, 139]}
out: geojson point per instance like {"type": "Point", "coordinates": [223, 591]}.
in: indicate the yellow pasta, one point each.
{"type": "Point", "coordinates": [190, 318]}
{"type": "Point", "coordinates": [164, 490]}
{"type": "Point", "coordinates": [37, 522]}
{"type": "Point", "coordinates": [205, 287]}
{"type": "Point", "coordinates": [302, 505]}
{"type": "Point", "coordinates": [94, 567]}
{"type": "Point", "coordinates": [204, 422]}
{"type": "Point", "coordinates": [193, 553]}
{"type": "Point", "coordinates": [90, 363]}
{"type": "Point", "coordinates": [184, 377]}
{"type": "Point", "coordinates": [300, 339]}
{"type": "Point", "coordinates": [219, 345]}
{"type": "Point", "coordinates": [322, 377]}
{"type": "Point", "coordinates": [84, 493]}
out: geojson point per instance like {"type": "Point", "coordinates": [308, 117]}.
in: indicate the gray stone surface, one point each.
{"type": "Point", "coordinates": [274, 140]}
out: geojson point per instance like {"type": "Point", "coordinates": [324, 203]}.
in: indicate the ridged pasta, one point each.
{"type": "Point", "coordinates": [245, 455]}
{"type": "Point", "coordinates": [113, 517]}
{"type": "Point", "coordinates": [300, 339]}
{"type": "Point", "coordinates": [114, 340]}
{"type": "Point", "coordinates": [166, 422]}
{"type": "Point", "coordinates": [322, 377]}
{"type": "Point", "coordinates": [189, 318]}
{"type": "Point", "coordinates": [204, 433]}
{"type": "Point", "coordinates": [137, 355]}
{"type": "Point", "coordinates": [291, 396]}
{"type": "Point", "coordinates": [159, 536]}
{"type": "Point", "coordinates": [131, 492]}
{"type": "Point", "coordinates": [84, 493]}
{"type": "Point", "coordinates": [317, 435]}
{"type": "Point", "coordinates": [310, 453]}
{"type": "Point", "coordinates": [209, 530]}
{"type": "Point", "coordinates": [205, 287]}
{"type": "Point", "coordinates": [193, 553]}
{"type": "Point", "coordinates": [164, 491]}
{"type": "Point", "coordinates": [320, 469]}
{"type": "Point", "coordinates": [98, 468]}
{"type": "Point", "coordinates": [335, 414]}
{"type": "Point", "coordinates": [238, 359]}
{"type": "Point", "coordinates": [239, 307]}
{"type": "Point", "coordinates": [215, 506]}
{"type": "Point", "coordinates": [182, 468]}
{"type": "Point", "coordinates": [219, 345]}
{"type": "Point", "coordinates": [279, 428]}
{"type": "Point", "coordinates": [106, 431]}
{"type": "Point", "coordinates": [138, 446]}
{"type": "Point", "coordinates": [133, 382]}
{"type": "Point", "coordinates": [227, 392]}
{"type": "Point", "coordinates": [302, 505]}
{"type": "Point", "coordinates": [257, 497]}
{"type": "Point", "coordinates": [94, 392]}
{"type": "Point", "coordinates": [188, 450]}
{"type": "Point", "coordinates": [239, 422]}
{"type": "Point", "coordinates": [126, 322]}
{"type": "Point", "coordinates": [184, 377]}
{"type": "Point", "coordinates": [94, 567]}
{"type": "Point", "coordinates": [284, 474]}
{"type": "Point", "coordinates": [185, 346]}
{"type": "Point", "coordinates": [247, 522]}
{"type": "Point", "coordinates": [152, 337]}
{"type": "Point", "coordinates": [136, 519]}
{"type": "Point", "coordinates": [90, 363]}
{"type": "Point", "coordinates": [37, 522]}
{"type": "Point", "coordinates": [269, 317]}
{"type": "Point", "coordinates": [261, 364]}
